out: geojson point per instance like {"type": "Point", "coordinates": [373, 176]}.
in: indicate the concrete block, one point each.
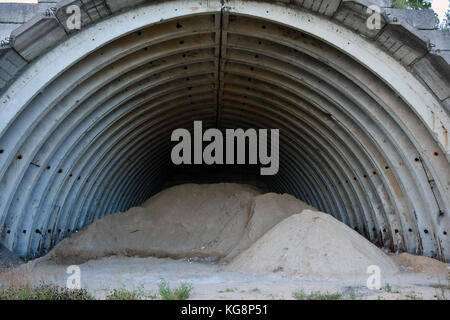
{"type": "Point", "coordinates": [6, 29]}
{"type": "Point", "coordinates": [446, 104]}
{"type": "Point", "coordinates": [439, 39]}
{"type": "Point", "coordinates": [17, 12]}
{"type": "Point", "coordinates": [11, 64]}
{"type": "Point", "coordinates": [117, 5]}
{"type": "Point", "coordinates": [91, 11]}
{"type": "Point", "coordinates": [37, 36]}
{"type": "Point", "coordinates": [403, 45]}
{"type": "Point", "coordinates": [325, 7]}
{"type": "Point", "coordinates": [379, 3]}
{"type": "Point", "coordinates": [21, 12]}
{"type": "Point", "coordinates": [420, 19]}
{"type": "Point", "coordinates": [354, 14]}
{"type": "Point", "coordinates": [434, 70]}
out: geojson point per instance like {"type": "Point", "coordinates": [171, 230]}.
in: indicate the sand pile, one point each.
{"type": "Point", "coordinates": [183, 221]}
{"type": "Point", "coordinates": [312, 244]}
{"type": "Point", "coordinates": [254, 232]}
{"type": "Point", "coordinates": [424, 265]}
{"type": "Point", "coordinates": [267, 211]}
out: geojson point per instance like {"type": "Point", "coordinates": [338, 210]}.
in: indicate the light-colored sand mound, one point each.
{"type": "Point", "coordinates": [312, 244]}
{"type": "Point", "coordinates": [183, 221]}
{"type": "Point", "coordinates": [268, 210]}
{"type": "Point", "coordinates": [424, 265]}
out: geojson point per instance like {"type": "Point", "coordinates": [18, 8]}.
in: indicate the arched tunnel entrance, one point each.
{"type": "Point", "coordinates": [85, 127]}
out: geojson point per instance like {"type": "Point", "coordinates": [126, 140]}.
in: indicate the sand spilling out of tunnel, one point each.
{"type": "Point", "coordinates": [424, 265]}
{"type": "Point", "coordinates": [238, 224]}
{"type": "Point", "coordinates": [267, 211]}
{"type": "Point", "coordinates": [312, 243]}
{"type": "Point", "coordinates": [206, 221]}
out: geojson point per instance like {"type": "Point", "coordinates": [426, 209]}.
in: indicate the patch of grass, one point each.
{"type": "Point", "coordinates": [43, 292]}
{"type": "Point", "coordinates": [300, 295]}
{"type": "Point", "coordinates": [124, 294]}
{"type": "Point", "coordinates": [17, 284]}
{"type": "Point", "coordinates": [388, 287]}
{"type": "Point", "coordinates": [135, 294]}
{"type": "Point", "coordinates": [413, 297]}
{"type": "Point", "coordinates": [256, 290]}
{"type": "Point", "coordinates": [180, 293]}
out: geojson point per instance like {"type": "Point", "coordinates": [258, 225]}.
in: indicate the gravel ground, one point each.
{"type": "Point", "coordinates": [212, 281]}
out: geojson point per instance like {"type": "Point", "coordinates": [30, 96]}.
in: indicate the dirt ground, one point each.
{"type": "Point", "coordinates": [213, 281]}
{"type": "Point", "coordinates": [232, 242]}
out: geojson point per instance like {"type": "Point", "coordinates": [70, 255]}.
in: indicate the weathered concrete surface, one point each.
{"type": "Point", "coordinates": [363, 113]}
{"type": "Point", "coordinates": [20, 13]}
{"type": "Point", "coordinates": [439, 39]}
{"type": "Point", "coordinates": [91, 11]}
{"type": "Point", "coordinates": [420, 19]}
{"type": "Point", "coordinates": [13, 15]}
{"type": "Point", "coordinates": [6, 29]}
{"type": "Point", "coordinates": [45, 28]}
{"type": "Point", "coordinates": [10, 64]}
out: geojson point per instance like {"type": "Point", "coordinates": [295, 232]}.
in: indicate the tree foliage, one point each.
{"type": "Point", "coordinates": [445, 24]}
{"type": "Point", "coordinates": [411, 4]}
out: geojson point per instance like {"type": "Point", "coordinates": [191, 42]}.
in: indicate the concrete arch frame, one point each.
{"type": "Point", "coordinates": [87, 115]}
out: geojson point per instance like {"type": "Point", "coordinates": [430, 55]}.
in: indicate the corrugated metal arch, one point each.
{"type": "Point", "coordinates": [85, 127]}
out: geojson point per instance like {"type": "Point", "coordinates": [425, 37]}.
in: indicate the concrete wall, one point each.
{"type": "Point", "coordinates": [12, 15]}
